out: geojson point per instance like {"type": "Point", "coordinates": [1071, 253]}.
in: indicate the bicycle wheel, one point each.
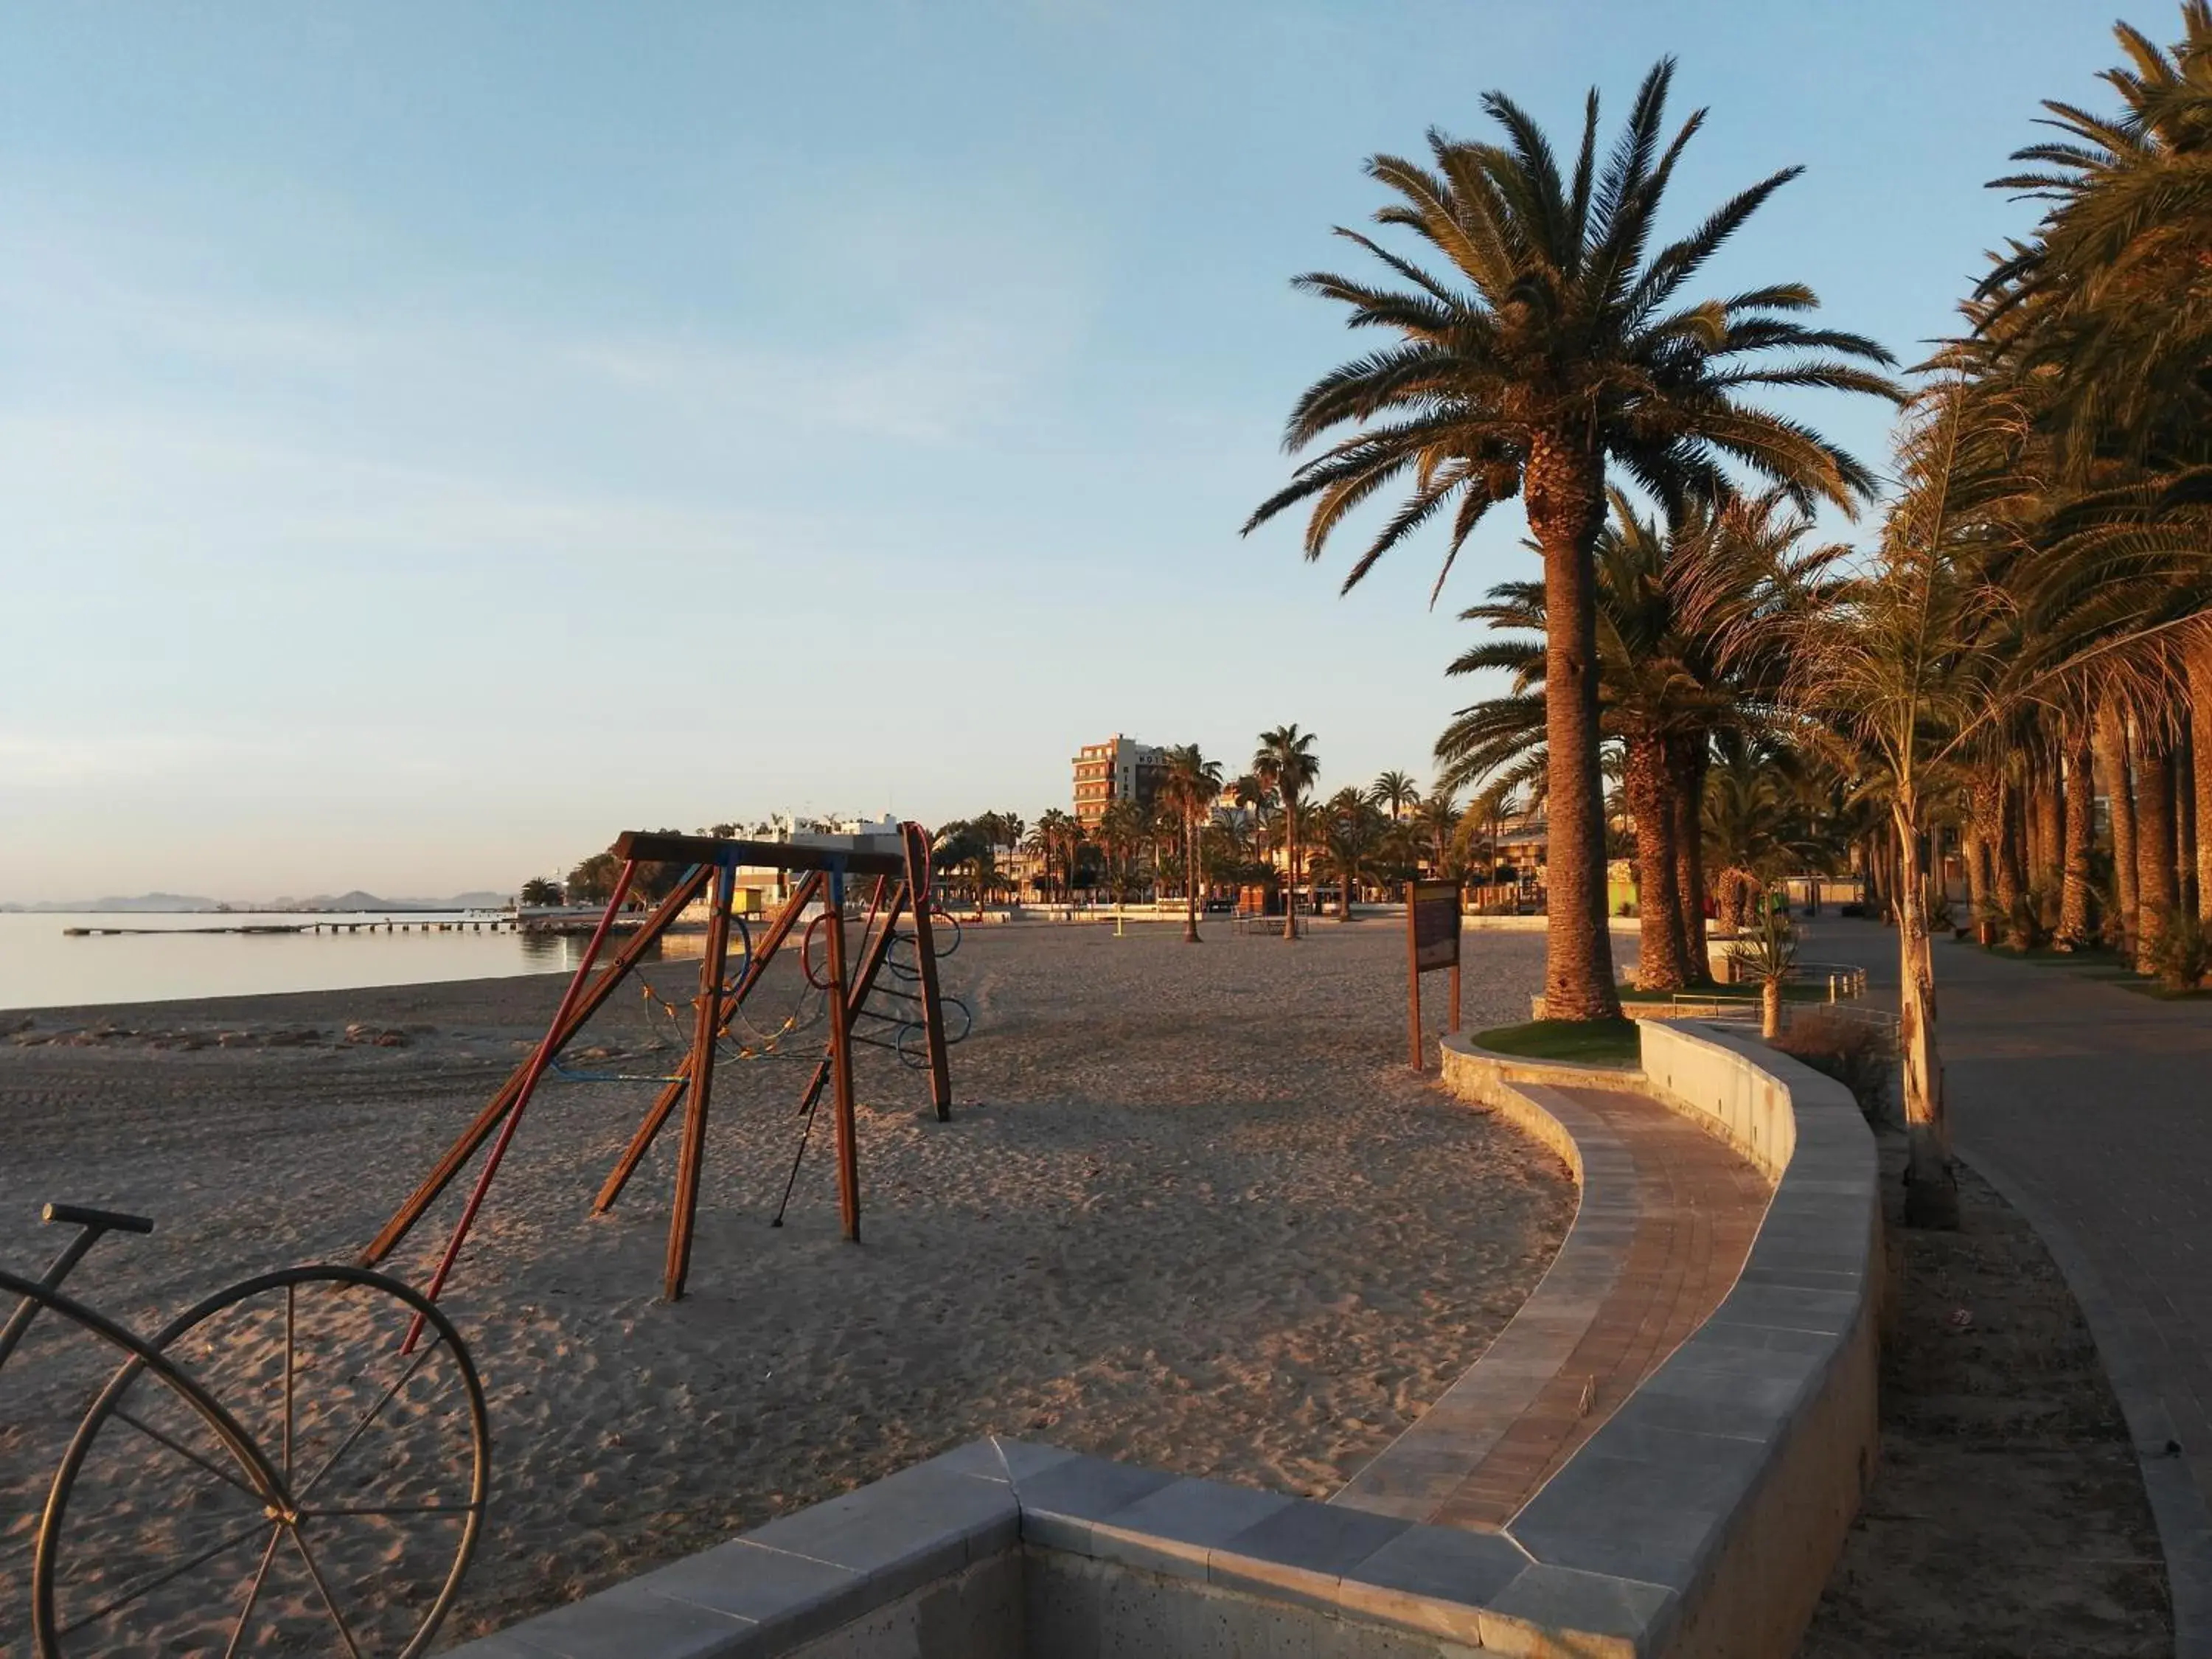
{"type": "Point", "coordinates": [157, 1538]}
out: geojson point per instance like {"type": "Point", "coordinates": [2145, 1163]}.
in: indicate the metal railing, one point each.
{"type": "Point", "coordinates": [1845, 979]}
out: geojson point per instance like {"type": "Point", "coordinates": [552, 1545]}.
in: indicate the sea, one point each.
{"type": "Point", "coordinates": [167, 956]}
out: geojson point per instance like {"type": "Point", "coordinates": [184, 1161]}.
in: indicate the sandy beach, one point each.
{"type": "Point", "coordinates": [1193, 1211]}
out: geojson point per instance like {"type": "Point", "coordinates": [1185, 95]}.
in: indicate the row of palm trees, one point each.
{"type": "Point", "coordinates": [2038, 610]}
{"type": "Point", "coordinates": [2028, 632]}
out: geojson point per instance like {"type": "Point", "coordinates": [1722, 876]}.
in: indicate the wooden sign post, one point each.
{"type": "Point", "coordinates": [1431, 942]}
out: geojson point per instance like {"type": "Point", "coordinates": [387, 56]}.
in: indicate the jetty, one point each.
{"type": "Point", "coordinates": [498, 924]}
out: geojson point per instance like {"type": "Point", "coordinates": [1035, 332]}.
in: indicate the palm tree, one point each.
{"type": "Point", "coordinates": [1191, 786]}
{"type": "Point", "coordinates": [1054, 840]}
{"type": "Point", "coordinates": [1394, 792]}
{"type": "Point", "coordinates": [1756, 828]}
{"type": "Point", "coordinates": [540, 889]}
{"type": "Point", "coordinates": [1352, 832]}
{"type": "Point", "coordinates": [1436, 815]}
{"type": "Point", "coordinates": [2111, 292]}
{"type": "Point", "coordinates": [1549, 347]}
{"type": "Point", "coordinates": [1662, 693]}
{"type": "Point", "coordinates": [1285, 764]}
{"type": "Point", "coordinates": [1121, 841]}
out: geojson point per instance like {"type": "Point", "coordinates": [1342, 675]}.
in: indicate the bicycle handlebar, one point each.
{"type": "Point", "coordinates": [80, 1215]}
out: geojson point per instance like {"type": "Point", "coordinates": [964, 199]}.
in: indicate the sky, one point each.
{"type": "Point", "coordinates": [434, 438]}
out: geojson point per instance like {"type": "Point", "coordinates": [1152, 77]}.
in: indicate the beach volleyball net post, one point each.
{"type": "Point", "coordinates": [900, 894]}
{"type": "Point", "coordinates": [1431, 942]}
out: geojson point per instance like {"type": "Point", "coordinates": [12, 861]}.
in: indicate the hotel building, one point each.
{"type": "Point", "coordinates": [1117, 769]}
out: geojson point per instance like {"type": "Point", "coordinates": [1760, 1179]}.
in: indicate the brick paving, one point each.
{"type": "Point", "coordinates": [1698, 1207]}
{"type": "Point", "coordinates": [2091, 1107]}
{"type": "Point", "coordinates": [1667, 1217]}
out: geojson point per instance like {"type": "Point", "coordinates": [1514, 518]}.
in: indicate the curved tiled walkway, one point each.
{"type": "Point", "coordinates": [1667, 1215]}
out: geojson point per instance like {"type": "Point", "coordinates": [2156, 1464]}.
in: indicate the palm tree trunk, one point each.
{"type": "Point", "coordinates": [1189, 882]}
{"type": "Point", "coordinates": [2155, 848]}
{"type": "Point", "coordinates": [1931, 1192]}
{"type": "Point", "coordinates": [2012, 873]}
{"type": "Point", "coordinates": [1687, 759]}
{"type": "Point", "coordinates": [1661, 966]}
{"type": "Point", "coordinates": [2080, 828]}
{"type": "Point", "coordinates": [2186, 893]}
{"type": "Point", "coordinates": [2047, 872]}
{"type": "Point", "coordinates": [1290, 868]}
{"type": "Point", "coordinates": [2112, 747]}
{"type": "Point", "coordinates": [1564, 492]}
{"type": "Point", "coordinates": [1985, 837]}
{"type": "Point", "coordinates": [2200, 744]}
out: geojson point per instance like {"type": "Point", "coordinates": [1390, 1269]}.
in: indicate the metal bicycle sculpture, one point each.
{"type": "Point", "coordinates": [267, 1472]}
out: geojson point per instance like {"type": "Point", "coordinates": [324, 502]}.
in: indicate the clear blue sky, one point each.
{"type": "Point", "coordinates": [435, 437]}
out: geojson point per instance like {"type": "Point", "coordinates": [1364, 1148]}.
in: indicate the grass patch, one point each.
{"type": "Point", "coordinates": [1577, 1042]}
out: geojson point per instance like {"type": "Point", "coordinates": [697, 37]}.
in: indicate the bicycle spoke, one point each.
{"type": "Point", "coordinates": [160, 1579]}
{"type": "Point", "coordinates": [189, 1456]}
{"type": "Point", "coordinates": [360, 1428]}
{"type": "Point", "coordinates": [316, 1573]}
{"type": "Point", "coordinates": [253, 1593]}
{"type": "Point", "coordinates": [288, 1382]}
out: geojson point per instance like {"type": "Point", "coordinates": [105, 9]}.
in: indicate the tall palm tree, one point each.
{"type": "Point", "coordinates": [1394, 792]}
{"type": "Point", "coordinates": [1286, 763]}
{"type": "Point", "coordinates": [1191, 786]}
{"type": "Point", "coordinates": [1547, 347]}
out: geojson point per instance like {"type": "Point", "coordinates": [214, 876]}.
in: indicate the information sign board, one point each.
{"type": "Point", "coordinates": [1432, 924]}
{"type": "Point", "coordinates": [1433, 909]}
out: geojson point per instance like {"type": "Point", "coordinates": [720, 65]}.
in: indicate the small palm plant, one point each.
{"type": "Point", "coordinates": [1768, 955]}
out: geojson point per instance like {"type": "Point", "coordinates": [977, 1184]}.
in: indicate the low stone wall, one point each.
{"type": "Point", "coordinates": [1488, 1078]}
{"type": "Point", "coordinates": [1703, 1518]}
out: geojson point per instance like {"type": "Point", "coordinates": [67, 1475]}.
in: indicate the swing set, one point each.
{"type": "Point", "coordinates": [848, 975]}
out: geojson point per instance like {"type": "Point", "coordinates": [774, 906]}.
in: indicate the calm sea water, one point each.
{"type": "Point", "coordinates": [42, 967]}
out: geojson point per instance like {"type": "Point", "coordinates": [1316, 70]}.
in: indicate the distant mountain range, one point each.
{"type": "Point", "coordinates": [356, 900]}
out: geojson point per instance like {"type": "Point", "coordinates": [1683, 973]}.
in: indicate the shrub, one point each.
{"type": "Point", "coordinates": [2183, 955]}
{"type": "Point", "coordinates": [1855, 1052]}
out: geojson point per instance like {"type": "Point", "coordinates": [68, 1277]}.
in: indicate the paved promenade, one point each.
{"type": "Point", "coordinates": [2090, 1107]}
